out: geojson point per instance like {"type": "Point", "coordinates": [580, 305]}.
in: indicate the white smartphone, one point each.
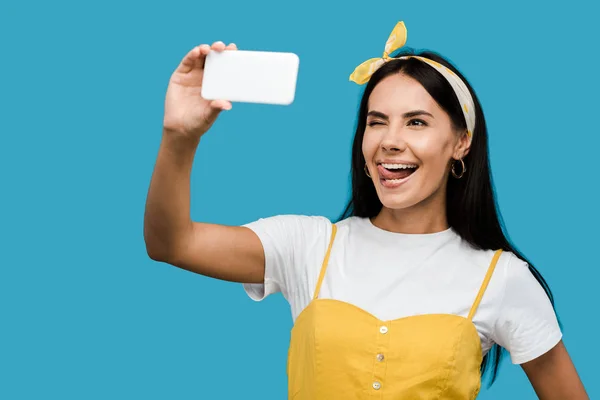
{"type": "Point", "coordinates": [266, 77]}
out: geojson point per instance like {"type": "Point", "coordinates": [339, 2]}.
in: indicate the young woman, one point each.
{"type": "Point", "coordinates": [412, 294]}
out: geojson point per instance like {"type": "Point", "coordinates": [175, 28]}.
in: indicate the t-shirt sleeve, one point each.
{"type": "Point", "coordinates": [286, 240]}
{"type": "Point", "coordinates": [527, 325]}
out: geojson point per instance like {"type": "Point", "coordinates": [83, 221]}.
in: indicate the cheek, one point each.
{"type": "Point", "coordinates": [369, 146]}
{"type": "Point", "coordinates": [431, 150]}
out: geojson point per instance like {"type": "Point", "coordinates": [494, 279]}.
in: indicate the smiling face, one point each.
{"type": "Point", "coordinates": [409, 144]}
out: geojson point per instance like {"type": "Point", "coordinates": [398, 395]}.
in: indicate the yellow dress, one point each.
{"type": "Point", "coordinates": [340, 351]}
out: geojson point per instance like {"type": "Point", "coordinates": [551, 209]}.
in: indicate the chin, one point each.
{"type": "Point", "coordinates": [397, 202]}
{"type": "Point", "coordinates": [401, 197]}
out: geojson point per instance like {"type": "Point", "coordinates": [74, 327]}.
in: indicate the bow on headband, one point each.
{"type": "Point", "coordinates": [396, 40]}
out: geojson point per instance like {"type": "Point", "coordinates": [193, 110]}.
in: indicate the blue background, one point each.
{"type": "Point", "coordinates": [87, 315]}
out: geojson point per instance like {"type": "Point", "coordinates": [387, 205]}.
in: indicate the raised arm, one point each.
{"type": "Point", "coordinates": [224, 252]}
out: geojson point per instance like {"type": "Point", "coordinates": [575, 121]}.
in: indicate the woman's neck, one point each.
{"type": "Point", "coordinates": [428, 216]}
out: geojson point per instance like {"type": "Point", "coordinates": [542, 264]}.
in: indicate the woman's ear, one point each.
{"type": "Point", "coordinates": [463, 145]}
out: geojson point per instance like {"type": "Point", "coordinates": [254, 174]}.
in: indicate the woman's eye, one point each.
{"type": "Point", "coordinates": [417, 122]}
{"type": "Point", "coordinates": [412, 122]}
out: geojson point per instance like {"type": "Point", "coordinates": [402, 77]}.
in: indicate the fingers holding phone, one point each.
{"type": "Point", "coordinates": [186, 111]}
{"type": "Point", "coordinates": [209, 78]}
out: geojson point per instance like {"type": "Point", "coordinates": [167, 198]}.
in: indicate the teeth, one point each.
{"type": "Point", "coordinates": [398, 166]}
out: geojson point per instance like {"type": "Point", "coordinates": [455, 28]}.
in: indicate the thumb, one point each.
{"type": "Point", "coordinates": [220, 105]}
{"type": "Point", "coordinates": [215, 108]}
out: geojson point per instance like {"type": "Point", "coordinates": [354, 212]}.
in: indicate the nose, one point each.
{"type": "Point", "coordinates": [393, 142]}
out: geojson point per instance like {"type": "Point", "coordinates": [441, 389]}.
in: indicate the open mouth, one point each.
{"type": "Point", "coordinates": [396, 173]}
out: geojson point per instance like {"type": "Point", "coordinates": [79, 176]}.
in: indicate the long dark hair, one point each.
{"type": "Point", "coordinates": [471, 204]}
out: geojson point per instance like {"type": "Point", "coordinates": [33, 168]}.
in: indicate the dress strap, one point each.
{"type": "Point", "coordinates": [488, 276]}
{"type": "Point", "coordinates": [325, 261]}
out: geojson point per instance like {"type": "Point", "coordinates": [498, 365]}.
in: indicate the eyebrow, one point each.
{"type": "Point", "coordinates": [409, 114]}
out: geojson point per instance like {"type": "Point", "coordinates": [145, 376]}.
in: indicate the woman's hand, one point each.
{"type": "Point", "coordinates": [186, 112]}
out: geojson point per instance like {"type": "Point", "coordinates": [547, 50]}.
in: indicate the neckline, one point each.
{"type": "Point", "coordinates": [399, 238]}
{"type": "Point", "coordinates": [362, 310]}
{"type": "Point", "coordinates": [390, 321]}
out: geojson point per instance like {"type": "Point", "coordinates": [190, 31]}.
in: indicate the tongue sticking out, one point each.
{"type": "Point", "coordinates": [394, 173]}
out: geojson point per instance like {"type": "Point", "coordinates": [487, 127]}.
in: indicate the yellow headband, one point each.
{"type": "Point", "coordinates": [397, 39]}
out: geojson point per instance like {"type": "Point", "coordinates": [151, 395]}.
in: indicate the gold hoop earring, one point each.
{"type": "Point", "coordinates": [367, 171]}
{"type": "Point", "coordinates": [463, 169]}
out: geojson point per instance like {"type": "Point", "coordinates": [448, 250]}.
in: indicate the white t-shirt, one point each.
{"type": "Point", "coordinates": [393, 275]}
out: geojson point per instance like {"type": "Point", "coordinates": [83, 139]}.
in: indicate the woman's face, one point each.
{"type": "Point", "coordinates": [409, 143]}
